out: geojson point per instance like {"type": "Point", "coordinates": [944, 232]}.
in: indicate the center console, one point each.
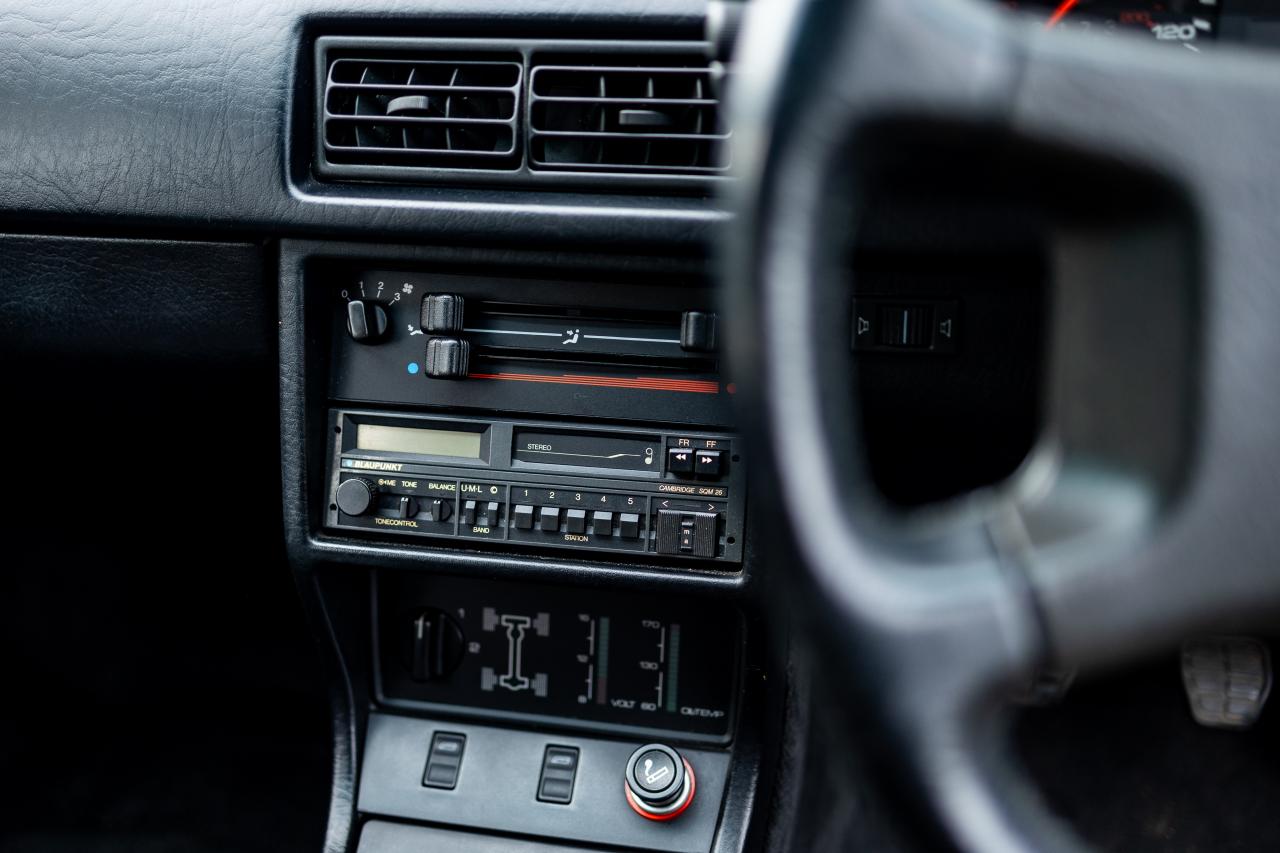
{"type": "Point", "coordinates": [518, 499]}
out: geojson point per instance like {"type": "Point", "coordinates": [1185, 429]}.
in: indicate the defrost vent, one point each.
{"type": "Point", "coordinates": [442, 113]}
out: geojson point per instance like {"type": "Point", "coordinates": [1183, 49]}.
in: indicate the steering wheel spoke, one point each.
{"type": "Point", "coordinates": [1159, 518]}
{"type": "Point", "coordinates": [1149, 507]}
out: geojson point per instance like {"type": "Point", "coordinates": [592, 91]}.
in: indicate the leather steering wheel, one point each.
{"type": "Point", "coordinates": [1150, 507]}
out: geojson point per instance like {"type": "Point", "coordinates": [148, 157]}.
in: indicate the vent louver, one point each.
{"type": "Point", "coordinates": [429, 112]}
{"type": "Point", "coordinates": [620, 113]}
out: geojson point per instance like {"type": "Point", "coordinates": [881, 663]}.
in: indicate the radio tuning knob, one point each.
{"type": "Point", "coordinates": [366, 321]}
{"type": "Point", "coordinates": [355, 496]}
{"type": "Point", "coordinates": [659, 783]}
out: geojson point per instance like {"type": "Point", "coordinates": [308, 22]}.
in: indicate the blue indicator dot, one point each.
{"type": "Point", "coordinates": [413, 368]}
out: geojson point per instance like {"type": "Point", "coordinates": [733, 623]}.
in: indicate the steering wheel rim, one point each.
{"type": "Point", "coordinates": [1147, 509]}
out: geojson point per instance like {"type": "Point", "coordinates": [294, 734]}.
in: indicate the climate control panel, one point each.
{"type": "Point", "coordinates": [676, 495]}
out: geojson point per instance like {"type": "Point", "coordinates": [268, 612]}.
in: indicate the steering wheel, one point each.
{"type": "Point", "coordinates": [1150, 507]}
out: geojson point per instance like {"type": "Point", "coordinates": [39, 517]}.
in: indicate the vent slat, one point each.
{"type": "Point", "coordinates": [624, 69]}
{"type": "Point", "coordinates": [412, 120]}
{"type": "Point", "coordinates": [441, 152]}
{"type": "Point", "coordinates": [421, 111]}
{"type": "Point", "coordinates": [414, 87]}
{"type": "Point", "coordinates": [693, 102]}
{"type": "Point", "coordinates": [639, 135]}
{"type": "Point", "coordinates": [652, 115]}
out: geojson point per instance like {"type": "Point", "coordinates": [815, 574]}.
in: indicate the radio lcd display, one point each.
{"type": "Point", "coordinates": [430, 442]}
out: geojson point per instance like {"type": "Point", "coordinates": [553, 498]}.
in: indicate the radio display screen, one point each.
{"type": "Point", "coordinates": [547, 653]}
{"type": "Point", "coordinates": [429, 442]}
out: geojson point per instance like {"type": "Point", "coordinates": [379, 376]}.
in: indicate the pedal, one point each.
{"type": "Point", "coordinates": [1227, 680]}
{"type": "Point", "coordinates": [1046, 687]}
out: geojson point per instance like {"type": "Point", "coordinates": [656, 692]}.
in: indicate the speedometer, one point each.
{"type": "Point", "coordinates": [1184, 23]}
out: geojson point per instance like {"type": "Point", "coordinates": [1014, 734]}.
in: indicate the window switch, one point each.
{"type": "Point", "coordinates": [559, 767]}
{"type": "Point", "coordinates": [444, 760]}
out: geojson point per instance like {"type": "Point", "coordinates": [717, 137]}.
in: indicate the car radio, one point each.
{"type": "Point", "coordinates": [673, 493]}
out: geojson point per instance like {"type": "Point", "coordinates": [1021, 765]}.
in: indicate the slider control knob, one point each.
{"type": "Point", "coordinates": [447, 358]}
{"type": "Point", "coordinates": [355, 496]}
{"type": "Point", "coordinates": [442, 312]}
{"type": "Point", "coordinates": [659, 782]}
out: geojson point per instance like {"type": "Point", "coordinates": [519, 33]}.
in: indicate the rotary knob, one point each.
{"type": "Point", "coordinates": [366, 321]}
{"type": "Point", "coordinates": [433, 645]}
{"type": "Point", "coordinates": [355, 496]}
{"type": "Point", "coordinates": [659, 782]}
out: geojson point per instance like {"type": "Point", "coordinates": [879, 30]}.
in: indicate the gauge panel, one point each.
{"type": "Point", "coordinates": [1184, 24]}
{"type": "Point", "coordinates": [638, 663]}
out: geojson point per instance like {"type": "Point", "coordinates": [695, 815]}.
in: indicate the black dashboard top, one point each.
{"type": "Point", "coordinates": [198, 118]}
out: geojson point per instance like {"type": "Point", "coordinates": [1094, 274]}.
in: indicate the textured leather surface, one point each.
{"type": "Point", "coordinates": [134, 299]}
{"type": "Point", "coordinates": [179, 114]}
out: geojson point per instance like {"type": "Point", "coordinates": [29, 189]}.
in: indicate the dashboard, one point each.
{"type": "Point", "coordinates": [519, 486]}
{"type": "Point", "coordinates": [468, 247]}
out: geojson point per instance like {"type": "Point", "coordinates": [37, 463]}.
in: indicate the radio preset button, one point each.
{"type": "Point", "coordinates": [602, 523]}
{"type": "Point", "coordinates": [629, 525]}
{"type": "Point", "coordinates": [549, 519]}
{"type": "Point", "coordinates": [522, 517]}
{"type": "Point", "coordinates": [355, 496]}
{"type": "Point", "coordinates": [575, 521]}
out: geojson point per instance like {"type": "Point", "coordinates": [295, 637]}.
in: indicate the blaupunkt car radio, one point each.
{"type": "Point", "coordinates": [677, 494]}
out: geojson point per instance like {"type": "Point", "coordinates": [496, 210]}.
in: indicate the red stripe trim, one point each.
{"type": "Point", "coordinates": [687, 386]}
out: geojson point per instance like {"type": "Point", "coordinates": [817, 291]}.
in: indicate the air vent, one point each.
{"type": "Point", "coordinates": [626, 113]}
{"type": "Point", "coordinates": [434, 112]}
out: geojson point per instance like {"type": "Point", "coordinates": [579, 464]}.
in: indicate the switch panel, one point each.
{"type": "Point", "coordinates": [499, 793]}
{"type": "Point", "coordinates": [887, 324]}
